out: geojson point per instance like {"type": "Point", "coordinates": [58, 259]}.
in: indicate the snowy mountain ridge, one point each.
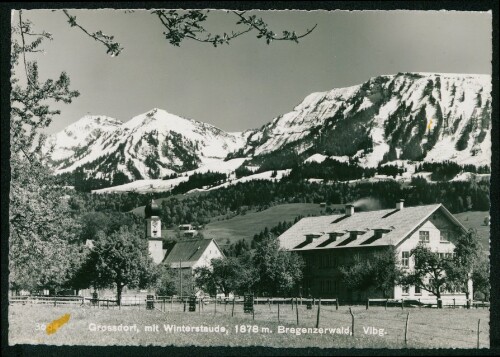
{"type": "Point", "coordinates": [407, 116]}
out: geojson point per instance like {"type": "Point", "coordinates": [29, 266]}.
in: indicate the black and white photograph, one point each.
{"type": "Point", "coordinates": [236, 178]}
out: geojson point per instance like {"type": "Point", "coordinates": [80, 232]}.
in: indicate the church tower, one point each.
{"type": "Point", "coordinates": [153, 231]}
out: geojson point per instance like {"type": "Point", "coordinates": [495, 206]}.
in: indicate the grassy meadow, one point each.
{"type": "Point", "coordinates": [475, 219]}
{"type": "Point", "coordinates": [375, 328]}
{"type": "Point", "coordinates": [247, 225]}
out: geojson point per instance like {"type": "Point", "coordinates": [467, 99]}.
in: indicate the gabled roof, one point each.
{"type": "Point", "coordinates": [186, 252]}
{"type": "Point", "coordinates": [401, 224]}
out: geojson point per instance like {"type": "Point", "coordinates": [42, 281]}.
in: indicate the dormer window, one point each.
{"type": "Point", "coordinates": [354, 234]}
{"type": "Point", "coordinates": [379, 232]}
{"type": "Point", "coordinates": [332, 236]}
{"type": "Point", "coordinates": [311, 237]}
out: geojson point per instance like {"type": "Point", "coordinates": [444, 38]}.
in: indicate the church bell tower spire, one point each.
{"type": "Point", "coordinates": [153, 231]}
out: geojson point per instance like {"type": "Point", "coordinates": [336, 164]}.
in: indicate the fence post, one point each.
{"type": "Point", "coordinates": [292, 303]}
{"type": "Point", "coordinates": [232, 311]}
{"type": "Point", "coordinates": [55, 302]}
{"type": "Point", "coordinates": [107, 304]}
{"type": "Point", "coordinates": [184, 302]}
{"type": "Point", "coordinates": [352, 325]}
{"type": "Point", "coordinates": [337, 303]}
{"type": "Point", "coordinates": [419, 304]}
{"type": "Point", "coordinates": [215, 305]}
{"type": "Point", "coordinates": [367, 304]}
{"type": "Point", "coordinates": [478, 324]}
{"type": "Point", "coordinates": [453, 302]}
{"type": "Point", "coordinates": [297, 309]}
{"type": "Point", "coordinates": [386, 301]}
{"type": "Point", "coordinates": [269, 302]}
{"type": "Point", "coordinates": [406, 328]}
{"type": "Point", "coordinates": [402, 304]}
{"type": "Point", "coordinates": [278, 311]}
{"type": "Point", "coordinates": [319, 308]}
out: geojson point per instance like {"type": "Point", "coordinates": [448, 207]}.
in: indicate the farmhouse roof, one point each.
{"type": "Point", "coordinates": [399, 224]}
{"type": "Point", "coordinates": [186, 252]}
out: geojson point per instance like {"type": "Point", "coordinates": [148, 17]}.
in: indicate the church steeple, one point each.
{"type": "Point", "coordinates": [153, 231]}
{"type": "Point", "coordinates": [152, 209]}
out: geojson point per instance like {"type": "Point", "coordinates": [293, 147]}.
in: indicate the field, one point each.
{"type": "Point", "coordinates": [245, 226]}
{"type": "Point", "coordinates": [475, 219]}
{"type": "Point", "coordinates": [376, 327]}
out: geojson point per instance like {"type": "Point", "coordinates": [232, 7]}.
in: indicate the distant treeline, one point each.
{"type": "Point", "coordinates": [331, 169]}
{"type": "Point", "coordinates": [200, 180]}
{"type": "Point", "coordinates": [201, 208]}
{"type": "Point", "coordinates": [447, 170]}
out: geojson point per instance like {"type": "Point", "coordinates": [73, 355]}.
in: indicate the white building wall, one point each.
{"type": "Point", "coordinates": [156, 251]}
{"type": "Point", "coordinates": [211, 252]}
{"type": "Point", "coordinates": [435, 245]}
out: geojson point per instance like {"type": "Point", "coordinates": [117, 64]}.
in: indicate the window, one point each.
{"type": "Point", "coordinates": [405, 260]}
{"type": "Point", "coordinates": [417, 290]}
{"type": "Point", "coordinates": [406, 290]}
{"type": "Point", "coordinates": [424, 236]}
{"type": "Point", "coordinates": [444, 237]}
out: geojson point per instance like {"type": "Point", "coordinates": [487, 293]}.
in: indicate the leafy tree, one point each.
{"type": "Point", "coordinates": [166, 281]}
{"type": "Point", "coordinates": [481, 278]}
{"type": "Point", "coordinates": [464, 262]}
{"type": "Point", "coordinates": [278, 271]}
{"type": "Point", "coordinates": [430, 271]}
{"type": "Point", "coordinates": [223, 275]}
{"type": "Point", "coordinates": [237, 249]}
{"type": "Point", "coordinates": [107, 222]}
{"type": "Point", "coordinates": [380, 271]}
{"type": "Point", "coordinates": [42, 228]}
{"type": "Point", "coordinates": [121, 259]}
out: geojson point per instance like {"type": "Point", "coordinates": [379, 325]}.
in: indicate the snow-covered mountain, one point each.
{"type": "Point", "coordinates": [407, 116]}
{"type": "Point", "coordinates": [150, 145]}
{"type": "Point", "coordinates": [414, 116]}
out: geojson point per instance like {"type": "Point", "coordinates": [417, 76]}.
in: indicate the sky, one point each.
{"type": "Point", "coordinates": [248, 83]}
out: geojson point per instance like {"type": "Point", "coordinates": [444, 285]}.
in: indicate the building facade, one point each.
{"type": "Point", "coordinates": [184, 255]}
{"type": "Point", "coordinates": [328, 242]}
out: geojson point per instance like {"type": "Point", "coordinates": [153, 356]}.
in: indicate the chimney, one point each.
{"type": "Point", "coordinates": [400, 205]}
{"type": "Point", "coordinates": [349, 210]}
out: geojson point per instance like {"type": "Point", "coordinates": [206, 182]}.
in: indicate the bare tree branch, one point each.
{"type": "Point", "coordinates": [114, 48]}
{"type": "Point", "coordinates": [180, 27]}
{"type": "Point", "coordinates": [21, 28]}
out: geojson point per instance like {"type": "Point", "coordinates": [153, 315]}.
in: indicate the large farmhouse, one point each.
{"type": "Point", "coordinates": [328, 242]}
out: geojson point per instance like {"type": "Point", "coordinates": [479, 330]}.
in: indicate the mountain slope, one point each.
{"type": "Point", "coordinates": [390, 118]}
{"type": "Point", "coordinates": [150, 145]}
{"type": "Point", "coordinates": [415, 116]}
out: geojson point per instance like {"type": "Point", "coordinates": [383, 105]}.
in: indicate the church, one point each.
{"type": "Point", "coordinates": [184, 255]}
